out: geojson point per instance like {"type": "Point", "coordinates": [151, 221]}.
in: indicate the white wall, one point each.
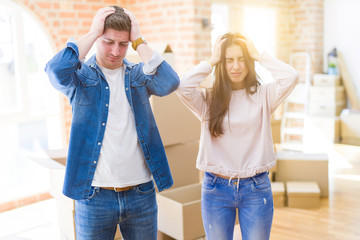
{"type": "Point", "coordinates": [342, 30]}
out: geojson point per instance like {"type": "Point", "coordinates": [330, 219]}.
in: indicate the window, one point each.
{"type": "Point", "coordinates": [29, 106]}
{"type": "Point", "coordinates": [259, 25]}
{"type": "Point", "coordinates": [219, 21]}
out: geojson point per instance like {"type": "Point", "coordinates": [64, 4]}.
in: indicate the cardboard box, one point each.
{"type": "Point", "coordinates": [298, 166]}
{"type": "Point", "coordinates": [182, 161]}
{"type": "Point", "coordinates": [326, 80]}
{"type": "Point", "coordinates": [176, 123]}
{"type": "Point", "coordinates": [303, 194]}
{"type": "Point", "coordinates": [324, 109]}
{"type": "Point", "coordinates": [350, 125]}
{"type": "Point", "coordinates": [327, 94]}
{"type": "Point", "coordinates": [326, 127]}
{"type": "Point", "coordinates": [179, 212]}
{"type": "Point", "coordinates": [275, 130]}
{"type": "Point", "coordinates": [278, 191]}
{"type": "Point", "coordinates": [179, 208]}
{"type": "Point", "coordinates": [351, 141]}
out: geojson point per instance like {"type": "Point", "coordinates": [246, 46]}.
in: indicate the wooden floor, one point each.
{"type": "Point", "coordinates": [338, 217]}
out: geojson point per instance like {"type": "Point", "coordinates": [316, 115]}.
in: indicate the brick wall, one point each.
{"type": "Point", "coordinates": [306, 30]}
{"type": "Point", "coordinates": [64, 19]}
{"type": "Point", "coordinates": [179, 23]}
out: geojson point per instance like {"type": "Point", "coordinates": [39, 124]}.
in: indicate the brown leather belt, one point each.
{"type": "Point", "coordinates": [117, 189]}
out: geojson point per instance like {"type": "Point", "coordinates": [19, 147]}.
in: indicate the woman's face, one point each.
{"type": "Point", "coordinates": [235, 65]}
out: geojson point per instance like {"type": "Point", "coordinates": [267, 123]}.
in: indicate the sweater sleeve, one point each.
{"type": "Point", "coordinates": [286, 78]}
{"type": "Point", "coordinates": [189, 90]}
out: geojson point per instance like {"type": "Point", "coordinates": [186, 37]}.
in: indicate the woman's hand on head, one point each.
{"type": "Point", "coordinates": [216, 53]}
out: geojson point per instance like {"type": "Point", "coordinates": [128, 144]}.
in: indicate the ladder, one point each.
{"type": "Point", "coordinates": [296, 107]}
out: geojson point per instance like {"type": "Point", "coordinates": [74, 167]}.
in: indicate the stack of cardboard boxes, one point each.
{"type": "Point", "coordinates": [179, 208]}
{"type": "Point", "coordinates": [327, 100]}
{"type": "Point", "coordinates": [300, 177]}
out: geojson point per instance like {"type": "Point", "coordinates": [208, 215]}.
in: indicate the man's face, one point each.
{"type": "Point", "coordinates": [111, 48]}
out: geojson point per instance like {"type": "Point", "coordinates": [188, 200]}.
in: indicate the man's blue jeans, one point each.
{"type": "Point", "coordinates": [135, 211]}
{"type": "Point", "coordinates": [252, 197]}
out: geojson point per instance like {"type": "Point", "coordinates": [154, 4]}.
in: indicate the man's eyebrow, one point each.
{"type": "Point", "coordinates": [111, 40]}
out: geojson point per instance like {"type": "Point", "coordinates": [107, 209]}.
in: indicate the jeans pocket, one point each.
{"type": "Point", "coordinates": [93, 193]}
{"type": "Point", "coordinates": [262, 184]}
{"type": "Point", "coordinates": [208, 184]}
{"type": "Point", "coordinates": [144, 188]}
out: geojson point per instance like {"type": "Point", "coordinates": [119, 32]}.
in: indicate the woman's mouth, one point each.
{"type": "Point", "coordinates": [236, 74]}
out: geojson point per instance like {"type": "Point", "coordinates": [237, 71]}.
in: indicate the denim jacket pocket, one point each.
{"type": "Point", "coordinates": [86, 90]}
{"type": "Point", "coordinates": [140, 89]}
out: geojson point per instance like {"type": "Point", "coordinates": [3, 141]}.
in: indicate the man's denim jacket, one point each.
{"type": "Point", "coordinates": [88, 92]}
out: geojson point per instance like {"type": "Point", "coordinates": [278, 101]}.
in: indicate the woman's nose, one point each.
{"type": "Point", "coordinates": [236, 65]}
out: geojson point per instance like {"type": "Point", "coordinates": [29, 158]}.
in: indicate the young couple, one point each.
{"type": "Point", "coordinates": [115, 150]}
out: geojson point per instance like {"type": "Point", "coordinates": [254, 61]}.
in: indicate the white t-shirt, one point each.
{"type": "Point", "coordinates": [121, 162]}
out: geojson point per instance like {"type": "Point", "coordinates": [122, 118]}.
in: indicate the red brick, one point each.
{"type": "Point", "coordinates": [67, 14]}
{"type": "Point", "coordinates": [81, 6]}
{"type": "Point", "coordinates": [7, 206]}
{"type": "Point", "coordinates": [44, 5]}
{"type": "Point", "coordinates": [88, 15]}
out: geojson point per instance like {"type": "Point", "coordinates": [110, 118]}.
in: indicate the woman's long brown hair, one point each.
{"type": "Point", "coordinates": [221, 92]}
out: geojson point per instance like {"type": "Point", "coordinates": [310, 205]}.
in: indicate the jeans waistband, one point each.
{"type": "Point", "coordinates": [236, 180]}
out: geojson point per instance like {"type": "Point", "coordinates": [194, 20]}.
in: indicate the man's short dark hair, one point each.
{"type": "Point", "coordinates": [118, 21]}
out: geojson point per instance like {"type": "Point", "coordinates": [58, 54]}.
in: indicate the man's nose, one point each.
{"type": "Point", "coordinates": [115, 50]}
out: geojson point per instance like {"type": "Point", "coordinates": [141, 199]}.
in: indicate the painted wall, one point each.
{"type": "Point", "coordinates": [342, 30]}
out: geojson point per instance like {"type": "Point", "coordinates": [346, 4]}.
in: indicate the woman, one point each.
{"type": "Point", "coordinates": [236, 148]}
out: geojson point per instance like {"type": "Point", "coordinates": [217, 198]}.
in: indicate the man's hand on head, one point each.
{"type": "Point", "coordinates": [135, 26]}
{"type": "Point", "coordinates": [97, 26]}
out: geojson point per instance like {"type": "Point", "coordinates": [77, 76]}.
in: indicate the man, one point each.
{"type": "Point", "coordinates": [115, 149]}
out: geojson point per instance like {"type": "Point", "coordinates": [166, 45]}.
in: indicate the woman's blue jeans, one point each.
{"type": "Point", "coordinates": [134, 210]}
{"type": "Point", "coordinates": [252, 197]}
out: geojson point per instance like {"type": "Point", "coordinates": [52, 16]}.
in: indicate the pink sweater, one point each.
{"type": "Point", "coordinates": [246, 147]}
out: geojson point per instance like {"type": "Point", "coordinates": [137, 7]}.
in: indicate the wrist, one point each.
{"type": "Point", "coordinates": [137, 42]}
{"type": "Point", "coordinates": [212, 62]}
